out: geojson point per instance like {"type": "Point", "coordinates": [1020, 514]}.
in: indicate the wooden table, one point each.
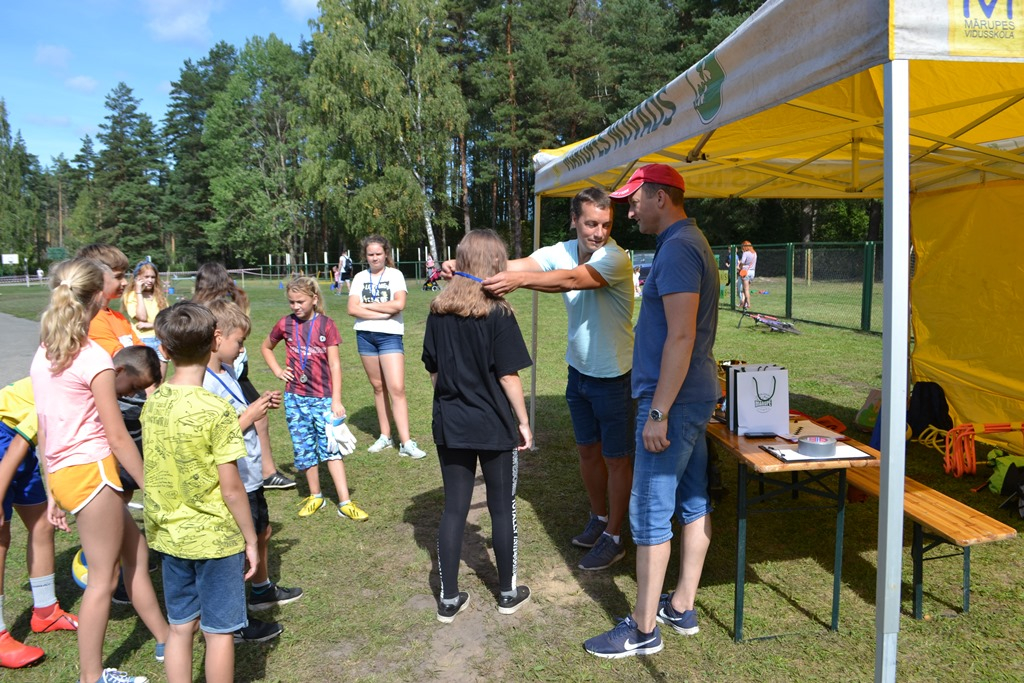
{"type": "Point", "coordinates": [807, 477]}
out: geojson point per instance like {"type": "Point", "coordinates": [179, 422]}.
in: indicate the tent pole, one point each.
{"type": "Point", "coordinates": [533, 341]}
{"type": "Point", "coordinates": [894, 367]}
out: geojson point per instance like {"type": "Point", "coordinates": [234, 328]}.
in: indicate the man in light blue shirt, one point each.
{"type": "Point", "coordinates": [595, 277]}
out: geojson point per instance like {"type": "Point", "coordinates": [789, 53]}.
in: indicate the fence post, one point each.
{"type": "Point", "coordinates": [868, 288]}
{"type": "Point", "coordinates": [790, 255]}
{"type": "Point", "coordinates": [734, 271]}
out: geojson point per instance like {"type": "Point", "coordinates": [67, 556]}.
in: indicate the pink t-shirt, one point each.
{"type": "Point", "coordinates": [68, 418]}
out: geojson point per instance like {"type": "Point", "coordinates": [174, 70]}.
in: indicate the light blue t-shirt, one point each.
{"type": "Point", "coordinates": [683, 262]}
{"type": "Point", "coordinates": [600, 320]}
{"type": "Point", "coordinates": [225, 385]}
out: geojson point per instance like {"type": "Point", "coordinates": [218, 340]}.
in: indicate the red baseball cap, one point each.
{"type": "Point", "coordinates": [662, 174]}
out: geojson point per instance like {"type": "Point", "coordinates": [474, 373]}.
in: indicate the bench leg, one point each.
{"type": "Point", "coordinates": [917, 556]}
{"type": "Point", "coordinates": [741, 552]}
{"type": "Point", "coordinates": [837, 569]}
{"type": "Point", "coordinates": [967, 578]}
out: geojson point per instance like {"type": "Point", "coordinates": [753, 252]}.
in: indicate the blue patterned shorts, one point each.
{"type": "Point", "coordinates": [305, 416]}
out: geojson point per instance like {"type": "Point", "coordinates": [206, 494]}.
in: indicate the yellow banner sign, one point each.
{"type": "Point", "coordinates": [986, 28]}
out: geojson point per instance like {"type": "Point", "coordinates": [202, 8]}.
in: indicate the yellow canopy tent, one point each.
{"type": "Point", "coordinates": [917, 102]}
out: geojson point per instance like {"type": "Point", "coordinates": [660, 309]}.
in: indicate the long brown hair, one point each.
{"type": "Point", "coordinates": [482, 254]}
{"type": "Point", "coordinates": [384, 244]}
{"type": "Point", "coordinates": [64, 327]}
{"type": "Point", "coordinates": [214, 282]}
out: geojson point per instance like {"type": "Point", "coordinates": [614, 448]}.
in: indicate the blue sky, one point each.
{"type": "Point", "coordinates": [59, 59]}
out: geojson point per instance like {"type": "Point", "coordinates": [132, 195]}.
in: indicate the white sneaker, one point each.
{"type": "Point", "coordinates": [410, 449]}
{"type": "Point", "coordinates": [380, 444]}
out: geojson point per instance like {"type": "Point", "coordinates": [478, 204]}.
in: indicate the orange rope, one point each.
{"type": "Point", "coordinates": [960, 458]}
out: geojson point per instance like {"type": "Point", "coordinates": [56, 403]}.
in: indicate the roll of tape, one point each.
{"type": "Point", "coordinates": [816, 446]}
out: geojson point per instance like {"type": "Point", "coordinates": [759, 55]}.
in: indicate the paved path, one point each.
{"type": "Point", "coordinates": [19, 339]}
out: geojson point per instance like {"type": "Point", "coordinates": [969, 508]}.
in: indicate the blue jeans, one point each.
{"type": "Point", "coordinates": [601, 411]}
{"type": "Point", "coordinates": [673, 482]}
{"type": "Point", "coordinates": [211, 590]}
{"type": "Point", "coordinates": [378, 343]}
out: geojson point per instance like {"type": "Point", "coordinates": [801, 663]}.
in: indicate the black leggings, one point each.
{"type": "Point", "coordinates": [458, 470]}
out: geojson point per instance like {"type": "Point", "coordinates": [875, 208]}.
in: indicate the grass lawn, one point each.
{"type": "Point", "coordinates": [368, 611]}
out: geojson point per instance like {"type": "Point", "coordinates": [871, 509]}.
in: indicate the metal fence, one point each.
{"type": "Point", "coordinates": [829, 283]}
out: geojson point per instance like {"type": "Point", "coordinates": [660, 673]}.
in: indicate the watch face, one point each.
{"type": "Point", "coordinates": [656, 415]}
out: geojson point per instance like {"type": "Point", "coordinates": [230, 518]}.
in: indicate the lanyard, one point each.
{"type": "Point", "coordinates": [226, 387]}
{"type": "Point", "coordinates": [467, 275]}
{"type": "Point", "coordinates": [379, 279]}
{"type": "Point", "coordinates": [304, 355]}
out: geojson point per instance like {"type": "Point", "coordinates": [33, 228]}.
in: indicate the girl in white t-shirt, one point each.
{"type": "Point", "coordinates": [376, 300]}
{"type": "Point", "coordinates": [82, 438]}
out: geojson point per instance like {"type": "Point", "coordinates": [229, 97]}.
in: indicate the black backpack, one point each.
{"type": "Point", "coordinates": [928, 407]}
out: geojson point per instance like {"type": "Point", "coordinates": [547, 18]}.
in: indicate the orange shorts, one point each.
{"type": "Point", "coordinates": [74, 486]}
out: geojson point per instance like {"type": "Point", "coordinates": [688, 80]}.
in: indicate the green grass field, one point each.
{"type": "Point", "coordinates": [368, 612]}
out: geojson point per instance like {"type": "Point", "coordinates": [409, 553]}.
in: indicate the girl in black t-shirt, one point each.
{"type": "Point", "coordinates": [473, 350]}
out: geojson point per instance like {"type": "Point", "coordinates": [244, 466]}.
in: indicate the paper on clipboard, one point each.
{"type": "Point", "coordinates": [800, 428]}
{"type": "Point", "coordinates": [843, 452]}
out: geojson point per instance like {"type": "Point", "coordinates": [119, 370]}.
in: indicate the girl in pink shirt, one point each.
{"type": "Point", "coordinates": [81, 432]}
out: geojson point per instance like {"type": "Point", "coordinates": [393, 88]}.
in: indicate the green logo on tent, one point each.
{"type": "Point", "coordinates": [706, 79]}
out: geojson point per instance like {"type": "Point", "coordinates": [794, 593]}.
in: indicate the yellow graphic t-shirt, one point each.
{"type": "Point", "coordinates": [186, 433]}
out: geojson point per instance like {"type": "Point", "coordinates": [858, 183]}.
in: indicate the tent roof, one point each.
{"type": "Point", "coordinates": [758, 118]}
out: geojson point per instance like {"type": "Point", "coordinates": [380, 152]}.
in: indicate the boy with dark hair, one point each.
{"type": "Point", "coordinates": [233, 326]}
{"type": "Point", "coordinates": [196, 509]}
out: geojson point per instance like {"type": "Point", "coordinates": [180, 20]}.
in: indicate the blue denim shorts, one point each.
{"type": "Point", "coordinates": [27, 486]}
{"type": "Point", "coordinates": [601, 411]}
{"type": "Point", "coordinates": [378, 343]}
{"type": "Point", "coordinates": [675, 481]}
{"type": "Point", "coordinates": [211, 590]}
{"type": "Point", "coordinates": [305, 417]}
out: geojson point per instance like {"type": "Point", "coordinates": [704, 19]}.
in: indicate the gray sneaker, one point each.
{"type": "Point", "coordinates": [605, 553]}
{"type": "Point", "coordinates": [380, 444]}
{"type": "Point", "coordinates": [595, 527]}
{"type": "Point", "coordinates": [411, 450]}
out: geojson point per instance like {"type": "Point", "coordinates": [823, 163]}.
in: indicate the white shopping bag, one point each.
{"type": "Point", "coordinates": [757, 399]}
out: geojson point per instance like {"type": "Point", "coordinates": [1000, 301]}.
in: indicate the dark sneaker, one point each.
{"type": "Point", "coordinates": [604, 554]}
{"type": "Point", "coordinates": [446, 613]}
{"type": "Point", "coordinates": [509, 604]}
{"type": "Point", "coordinates": [625, 640]}
{"type": "Point", "coordinates": [258, 631]}
{"type": "Point", "coordinates": [120, 596]}
{"type": "Point", "coordinates": [278, 481]}
{"type": "Point", "coordinates": [595, 527]}
{"type": "Point", "coordinates": [272, 596]}
{"type": "Point", "coordinates": [681, 622]}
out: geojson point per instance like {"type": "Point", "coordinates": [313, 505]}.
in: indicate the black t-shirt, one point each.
{"type": "Point", "coordinates": [469, 356]}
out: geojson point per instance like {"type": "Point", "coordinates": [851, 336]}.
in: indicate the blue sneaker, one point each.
{"type": "Point", "coordinates": [605, 553]}
{"type": "Point", "coordinates": [591, 533]}
{"type": "Point", "coordinates": [681, 622]}
{"type": "Point", "coordinates": [625, 640]}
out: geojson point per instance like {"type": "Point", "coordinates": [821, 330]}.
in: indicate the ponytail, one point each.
{"type": "Point", "coordinates": [64, 326]}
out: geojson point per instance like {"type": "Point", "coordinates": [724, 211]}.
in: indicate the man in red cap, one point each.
{"type": "Point", "coordinates": [675, 382]}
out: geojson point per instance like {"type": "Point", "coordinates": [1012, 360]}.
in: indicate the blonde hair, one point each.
{"type": "Point", "coordinates": [64, 326]}
{"type": "Point", "coordinates": [481, 253]}
{"type": "Point", "coordinates": [384, 244]}
{"type": "Point", "coordinates": [158, 287]}
{"type": "Point", "coordinates": [303, 284]}
{"type": "Point", "coordinates": [230, 316]}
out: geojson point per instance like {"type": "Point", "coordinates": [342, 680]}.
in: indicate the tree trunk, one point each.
{"type": "Point", "coordinates": [874, 220]}
{"type": "Point", "coordinates": [515, 221]}
{"type": "Point", "coordinates": [466, 222]}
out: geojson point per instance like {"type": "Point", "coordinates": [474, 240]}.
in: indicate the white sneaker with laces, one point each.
{"type": "Point", "coordinates": [380, 444]}
{"type": "Point", "coordinates": [410, 449]}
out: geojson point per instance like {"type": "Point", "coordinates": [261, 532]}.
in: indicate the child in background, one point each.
{"type": "Point", "coordinates": [196, 511]}
{"type": "Point", "coordinates": [473, 350]}
{"type": "Point", "coordinates": [137, 368]}
{"type": "Point", "coordinates": [143, 298]}
{"type": "Point", "coordinates": [21, 488]}
{"type": "Point", "coordinates": [82, 438]}
{"type": "Point", "coordinates": [108, 328]}
{"type": "Point", "coordinates": [213, 282]}
{"type": "Point", "coordinates": [312, 396]}
{"type": "Point", "coordinates": [233, 327]}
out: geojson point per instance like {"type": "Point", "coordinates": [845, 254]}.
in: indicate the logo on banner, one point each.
{"type": "Point", "coordinates": [706, 79]}
{"type": "Point", "coordinates": [985, 28]}
{"type": "Point", "coordinates": [763, 401]}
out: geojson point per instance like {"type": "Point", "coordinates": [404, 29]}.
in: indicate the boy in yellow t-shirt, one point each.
{"type": "Point", "coordinates": [196, 509]}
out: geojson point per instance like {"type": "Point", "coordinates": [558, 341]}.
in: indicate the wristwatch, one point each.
{"type": "Point", "coordinates": [656, 415]}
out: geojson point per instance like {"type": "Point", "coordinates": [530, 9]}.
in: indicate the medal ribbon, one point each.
{"type": "Point", "coordinates": [226, 387]}
{"type": "Point", "coordinates": [304, 355]}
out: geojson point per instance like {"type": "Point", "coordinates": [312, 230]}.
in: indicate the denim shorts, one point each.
{"type": "Point", "coordinates": [675, 481]}
{"type": "Point", "coordinates": [378, 343]}
{"type": "Point", "coordinates": [306, 419]}
{"type": "Point", "coordinates": [602, 412]}
{"type": "Point", "coordinates": [27, 486]}
{"type": "Point", "coordinates": [211, 590]}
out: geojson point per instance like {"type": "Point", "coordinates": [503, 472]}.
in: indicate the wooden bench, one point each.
{"type": "Point", "coordinates": [941, 520]}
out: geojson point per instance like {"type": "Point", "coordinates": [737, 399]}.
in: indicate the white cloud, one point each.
{"type": "Point", "coordinates": [83, 84]}
{"type": "Point", "coordinates": [50, 121]}
{"type": "Point", "coordinates": [301, 9]}
{"type": "Point", "coordinates": [181, 20]}
{"type": "Point", "coordinates": [54, 56]}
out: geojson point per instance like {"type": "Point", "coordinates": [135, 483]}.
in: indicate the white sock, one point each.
{"type": "Point", "coordinates": [603, 519]}
{"type": "Point", "coordinates": [3, 626]}
{"type": "Point", "coordinates": [344, 502]}
{"type": "Point", "coordinates": [42, 591]}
